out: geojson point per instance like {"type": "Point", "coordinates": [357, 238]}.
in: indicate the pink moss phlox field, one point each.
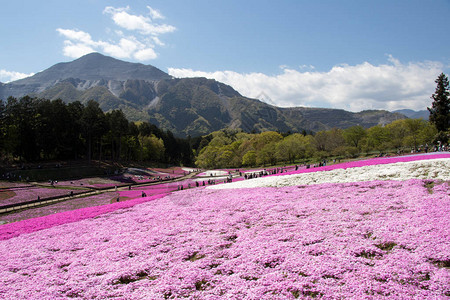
{"type": "Point", "coordinates": [369, 162]}
{"type": "Point", "coordinates": [363, 240]}
{"type": "Point", "coordinates": [156, 189]}
{"type": "Point", "coordinates": [32, 193]}
{"type": "Point", "coordinates": [173, 172]}
{"type": "Point", "coordinates": [123, 179]}
{"type": "Point", "coordinates": [137, 192]}
{"type": "Point", "coordinates": [10, 230]}
{"type": "Point", "coordinates": [88, 182]}
{"type": "Point", "coordinates": [13, 185]}
{"type": "Point", "coordinates": [72, 204]}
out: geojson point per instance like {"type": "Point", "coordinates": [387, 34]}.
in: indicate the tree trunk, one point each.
{"type": "Point", "coordinates": [89, 148]}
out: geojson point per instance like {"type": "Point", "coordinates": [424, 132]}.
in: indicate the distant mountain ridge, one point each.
{"type": "Point", "coordinates": [186, 106]}
{"type": "Point", "coordinates": [413, 114]}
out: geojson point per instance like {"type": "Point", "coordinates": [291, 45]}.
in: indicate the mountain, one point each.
{"type": "Point", "coordinates": [186, 106]}
{"type": "Point", "coordinates": [91, 70]}
{"type": "Point", "coordinates": [413, 114]}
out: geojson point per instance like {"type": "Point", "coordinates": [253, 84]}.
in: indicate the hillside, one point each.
{"type": "Point", "coordinates": [364, 233]}
{"type": "Point", "coordinates": [186, 106]}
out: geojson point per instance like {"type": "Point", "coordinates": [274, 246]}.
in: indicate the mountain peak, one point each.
{"type": "Point", "coordinates": [88, 70]}
{"type": "Point", "coordinates": [95, 54]}
{"type": "Point", "coordinates": [96, 66]}
{"type": "Point", "coordinates": [95, 59]}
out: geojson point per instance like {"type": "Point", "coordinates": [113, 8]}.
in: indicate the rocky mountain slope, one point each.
{"type": "Point", "coordinates": [186, 106]}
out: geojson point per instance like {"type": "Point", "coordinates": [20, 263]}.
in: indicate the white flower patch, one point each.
{"type": "Point", "coordinates": [438, 169]}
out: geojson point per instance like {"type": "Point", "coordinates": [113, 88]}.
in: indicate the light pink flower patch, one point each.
{"type": "Point", "coordinates": [31, 193]}
{"type": "Point", "coordinates": [10, 230]}
{"type": "Point", "coordinates": [72, 204]}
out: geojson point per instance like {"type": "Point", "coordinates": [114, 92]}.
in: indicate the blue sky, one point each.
{"type": "Point", "coordinates": [353, 55]}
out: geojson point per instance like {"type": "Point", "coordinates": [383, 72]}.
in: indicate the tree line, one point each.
{"type": "Point", "coordinates": [231, 149]}
{"type": "Point", "coordinates": [33, 129]}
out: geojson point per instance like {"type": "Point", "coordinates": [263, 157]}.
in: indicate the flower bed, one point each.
{"type": "Point", "coordinates": [373, 161]}
{"type": "Point", "coordinates": [12, 185]}
{"type": "Point", "coordinates": [67, 205]}
{"type": "Point", "coordinates": [32, 193]}
{"type": "Point", "coordinates": [360, 239]}
{"type": "Point", "coordinates": [149, 190]}
{"type": "Point", "coordinates": [173, 172]}
{"type": "Point", "coordinates": [351, 240]}
{"type": "Point", "coordinates": [8, 231]}
{"type": "Point", "coordinates": [400, 168]}
{"type": "Point", "coordinates": [161, 188]}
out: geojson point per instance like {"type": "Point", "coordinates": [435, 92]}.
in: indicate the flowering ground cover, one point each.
{"type": "Point", "coordinates": [110, 182]}
{"type": "Point", "coordinates": [94, 182]}
{"type": "Point", "coordinates": [350, 240]}
{"type": "Point", "coordinates": [373, 162]}
{"type": "Point", "coordinates": [19, 195]}
{"type": "Point", "coordinates": [173, 171]}
{"type": "Point", "coordinates": [15, 229]}
{"type": "Point", "coordinates": [67, 205]}
{"type": "Point", "coordinates": [133, 175]}
{"type": "Point", "coordinates": [136, 192]}
{"type": "Point", "coordinates": [380, 235]}
{"type": "Point", "coordinates": [26, 193]}
{"type": "Point", "coordinates": [162, 188]}
{"type": "Point", "coordinates": [400, 168]}
{"type": "Point", "coordinates": [10, 184]}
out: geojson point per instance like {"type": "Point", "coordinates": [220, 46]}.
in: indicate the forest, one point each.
{"type": "Point", "coordinates": [34, 129]}
{"type": "Point", "coordinates": [230, 149]}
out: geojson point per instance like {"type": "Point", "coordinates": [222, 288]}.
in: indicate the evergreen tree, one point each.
{"type": "Point", "coordinates": [440, 110]}
{"type": "Point", "coordinates": [75, 142]}
{"type": "Point", "coordinates": [21, 128]}
{"type": "Point", "coordinates": [93, 124]}
{"type": "Point", "coordinates": [2, 126]}
{"type": "Point", "coordinates": [118, 127]}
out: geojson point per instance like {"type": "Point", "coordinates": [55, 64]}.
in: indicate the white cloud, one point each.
{"type": "Point", "coordinates": [157, 41]}
{"type": "Point", "coordinates": [7, 76]}
{"type": "Point", "coordinates": [145, 54]}
{"type": "Point", "coordinates": [140, 23]}
{"type": "Point", "coordinates": [76, 50]}
{"type": "Point", "coordinates": [155, 14]}
{"type": "Point", "coordinates": [139, 46]}
{"type": "Point", "coordinates": [387, 86]}
{"type": "Point", "coordinates": [124, 49]}
{"type": "Point", "coordinates": [76, 35]}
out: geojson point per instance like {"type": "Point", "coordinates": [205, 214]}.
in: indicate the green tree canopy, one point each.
{"type": "Point", "coordinates": [354, 135]}
{"type": "Point", "coordinates": [378, 138]}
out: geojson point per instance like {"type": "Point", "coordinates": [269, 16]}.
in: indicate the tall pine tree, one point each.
{"type": "Point", "coordinates": [440, 109]}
